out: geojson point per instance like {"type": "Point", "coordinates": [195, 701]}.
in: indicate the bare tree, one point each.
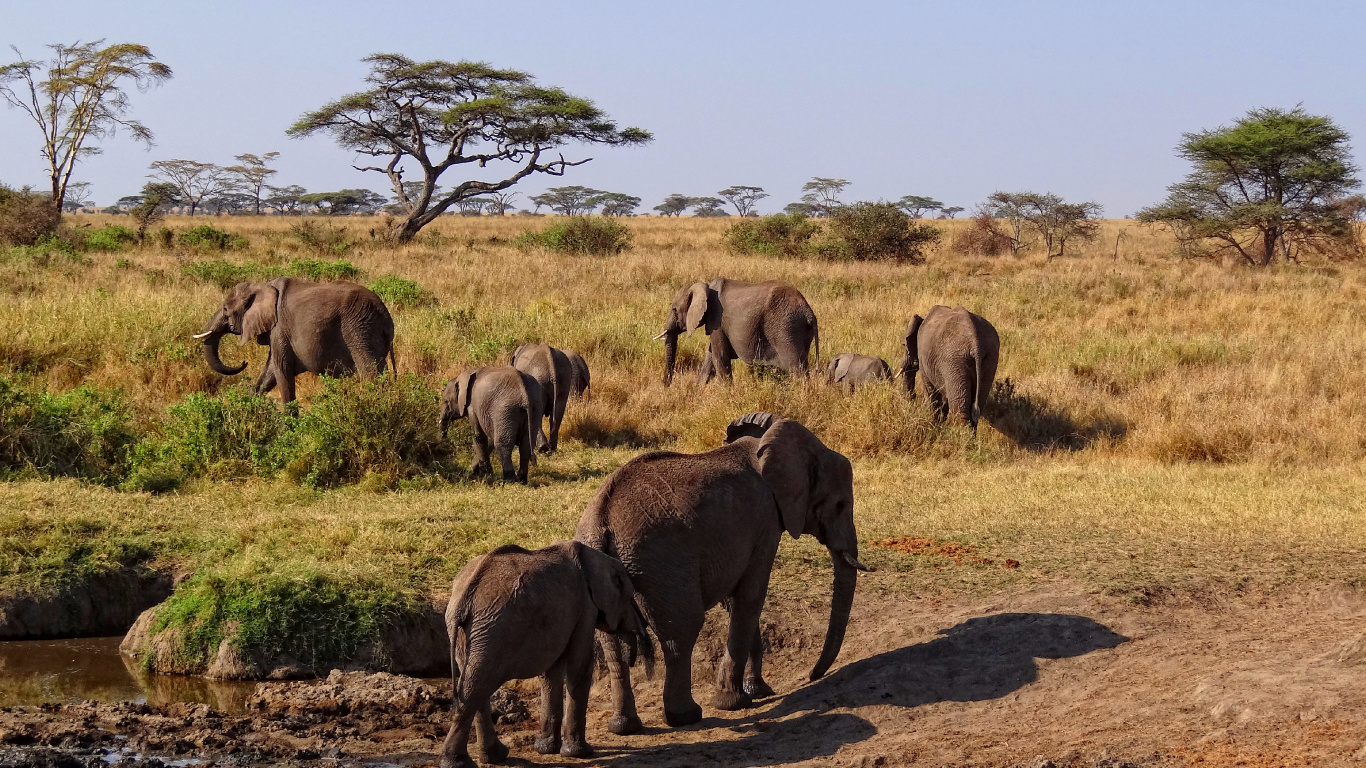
{"type": "Point", "coordinates": [251, 174]}
{"type": "Point", "coordinates": [439, 115]}
{"type": "Point", "coordinates": [77, 196]}
{"type": "Point", "coordinates": [194, 180]}
{"type": "Point", "coordinates": [76, 99]}
{"type": "Point", "coordinates": [501, 202]}
{"type": "Point", "coordinates": [743, 198]}
{"type": "Point", "coordinates": [822, 195]}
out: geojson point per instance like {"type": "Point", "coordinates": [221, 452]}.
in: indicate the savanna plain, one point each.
{"type": "Point", "coordinates": [1151, 552]}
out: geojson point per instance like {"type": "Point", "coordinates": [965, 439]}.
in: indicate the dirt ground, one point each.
{"type": "Point", "coordinates": [1052, 676]}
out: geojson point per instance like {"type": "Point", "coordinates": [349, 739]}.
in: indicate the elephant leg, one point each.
{"type": "Point", "coordinates": [505, 458]}
{"type": "Point", "coordinates": [524, 457]}
{"type": "Point", "coordinates": [683, 616]}
{"type": "Point", "coordinates": [558, 418]}
{"type": "Point", "coordinates": [266, 381]}
{"type": "Point", "coordinates": [708, 369]}
{"type": "Point", "coordinates": [552, 709]}
{"type": "Point", "coordinates": [455, 752]}
{"type": "Point", "coordinates": [745, 606]}
{"type": "Point", "coordinates": [624, 720]}
{"type": "Point", "coordinates": [493, 750]}
{"type": "Point", "coordinates": [722, 353]}
{"type": "Point", "coordinates": [938, 401]}
{"type": "Point", "coordinates": [480, 464]}
{"type": "Point", "coordinates": [755, 685]}
{"type": "Point", "coordinates": [579, 683]}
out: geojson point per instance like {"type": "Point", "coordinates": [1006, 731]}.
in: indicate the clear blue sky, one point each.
{"type": "Point", "coordinates": [953, 100]}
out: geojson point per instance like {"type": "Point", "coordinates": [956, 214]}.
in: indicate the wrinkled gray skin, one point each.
{"type": "Point", "coordinates": [504, 408]}
{"type": "Point", "coordinates": [579, 380]}
{"type": "Point", "coordinates": [956, 352]}
{"type": "Point", "coordinates": [850, 370]}
{"type": "Point", "coordinates": [768, 323]}
{"type": "Point", "coordinates": [553, 372]}
{"type": "Point", "coordinates": [340, 329]}
{"type": "Point", "coordinates": [696, 529]}
{"type": "Point", "coordinates": [515, 614]}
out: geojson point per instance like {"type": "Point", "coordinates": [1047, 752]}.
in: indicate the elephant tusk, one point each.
{"type": "Point", "coordinates": [660, 336]}
{"type": "Point", "coordinates": [202, 335]}
{"type": "Point", "coordinates": [855, 564]}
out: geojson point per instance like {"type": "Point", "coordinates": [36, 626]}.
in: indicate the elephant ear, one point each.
{"type": "Point", "coordinates": [912, 344]}
{"type": "Point", "coordinates": [609, 586]}
{"type": "Point", "coordinates": [786, 459]}
{"type": "Point", "coordinates": [750, 425]}
{"type": "Point", "coordinates": [260, 315]}
{"type": "Point", "coordinates": [839, 368]}
{"type": "Point", "coordinates": [463, 386]}
{"type": "Point", "coordinates": [700, 310]}
{"type": "Point", "coordinates": [518, 353]}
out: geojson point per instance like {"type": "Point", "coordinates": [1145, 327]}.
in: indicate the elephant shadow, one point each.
{"type": "Point", "coordinates": [1033, 423]}
{"type": "Point", "coordinates": [980, 659]}
{"type": "Point", "coordinates": [613, 433]}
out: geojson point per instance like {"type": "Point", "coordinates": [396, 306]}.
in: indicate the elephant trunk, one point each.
{"type": "Point", "coordinates": [213, 333]}
{"type": "Point", "coordinates": [670, 356]}
{"type": "Point", "coordinates": [841, 602]}
{"type": "Point", "coordinates": [908, 370]}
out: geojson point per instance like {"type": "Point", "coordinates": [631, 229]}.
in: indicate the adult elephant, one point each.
{"type": "Point", "coordinates": [956, 351]}
{"type": "Point", "coordinates": [768, 323]}
{"type": "Point", "coordinates": [552, 370]}
{"type": "Point", "coordinates": [696, 529]}
{"type": "Point", "coordinates": [339, 329]}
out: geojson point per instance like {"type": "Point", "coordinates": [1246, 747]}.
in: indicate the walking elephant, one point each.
{"type": "Point", "coordinates": [768, 323]}
{"type": "Point", "coordinates": [339, 329]}
{"type": "Point", "coordinates": [504, 408]}
{"type": "Point", "coordinates": [515, 614]}
{"type": "Point", "coordinates": [956, 352]}
{"type": "Point", "coordinates": [850, 370]}
{"type": "Point", "coordinates": [694, 530]}
{"type": "Point", "coordinates": [579, 380]}
{"type": "Point", "coordinates": [552, 370]}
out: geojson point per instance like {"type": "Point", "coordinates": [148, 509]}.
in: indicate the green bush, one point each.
{"type": "Point", "coordinates": [85, 433]}
{"type": "Point", "coordinates": [387, 428]}
{"type": "Point", "coordinates": [580, 234]}
{"type": "Point", "coordinates": [321, 236]}
{"type": "Point", "coordinates": [321, 271]}
{"type": "Point", "coordinates": [112, 238]}
{"type": "Point", "coordinates": [778, 235]}
{"type": "Point", "coordinates": [26, 216]}
{"type": "Point", "coordinates": [225, 274]}
{"type": "Point", "coordinates": [875, 232]}
{"type": "Point", "coordinates": [49, 250]}
{"type": "Point", "coordinates": [399, 293]}
{"type": "Point", "coordinates": [207, 237]}
{"type": "Point", "coordinates": [318, 619]}
{"type": "Point", "coordinates": [240, 433]}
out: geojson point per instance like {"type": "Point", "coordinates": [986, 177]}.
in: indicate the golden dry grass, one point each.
{"type": "Point", "coordinates": [1146, 373]}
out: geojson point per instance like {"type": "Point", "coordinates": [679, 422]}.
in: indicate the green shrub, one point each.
{"type": "Point", "coordinates": [319, 270]}
{"type": "Point", "coordinates": [321, 236]}
{"type": "Point", "coordinates": [26, 216]}
{"type": "Point", "coordinates": [240, 433]}
{"type": "Point", "coordinates": [580, 234]}
{"type": "Point", "coordinates": [221, 272]}
{"type": "Point", "coordinates": [355, 428]}
{"type": "Point", "coordinates": [778, 235]}
{"type": "Point", "coordinates": [112, 238]}
{"type": "Point", "coordinates": [85, 433]}
{"type": "Point", "coordinates": [874, 232]}
{"type": "Point", "coordinates": [399, 293]}
{"type": "Point", "coordinates": [321, 620]}
{"type": "Point", "coordinates": [207, 237]}
{"type": "Point", "coordinates": [49, 250]}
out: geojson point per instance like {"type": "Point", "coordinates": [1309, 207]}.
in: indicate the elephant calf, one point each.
{"type": "Point", "coordinates": [579, 379]}
{"type": "Point", "coordinates": [504, 407]}
{"type": "Point", "coordinates": [554, 372]}
{"type": "Point", "coordinates": [850, 370]}
{"type": "Point", "coordinates": [515, 614]}
{"type": "Point", "coordinates": [957, 352]}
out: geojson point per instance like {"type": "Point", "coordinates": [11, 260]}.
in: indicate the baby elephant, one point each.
{"type": "Point", "coordinates": [850, 370]}
{"type": "Point", "coordinates": [515, 614]}
{"type": "Point", "coordinates": [504, 407]}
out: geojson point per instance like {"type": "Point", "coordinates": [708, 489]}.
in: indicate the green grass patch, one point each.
{"type": "Point", "coordinates": [85, 433]}
{"type": "Point", "coordinates": [225, 274]}
{"type": "Point", "coordinates": [207, 237]}
{"type": "Point", "coordinates": [400, 293]}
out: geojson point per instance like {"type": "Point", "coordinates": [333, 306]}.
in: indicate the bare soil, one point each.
{"type": "Point", "coordinates": [1054, 676]}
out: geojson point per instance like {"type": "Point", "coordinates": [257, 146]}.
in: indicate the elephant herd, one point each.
{"type": "Point", "coordinates": [668, 535]}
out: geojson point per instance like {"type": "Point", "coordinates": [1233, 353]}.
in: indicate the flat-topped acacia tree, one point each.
{"type": "Point", "coordinates": [436, 115]}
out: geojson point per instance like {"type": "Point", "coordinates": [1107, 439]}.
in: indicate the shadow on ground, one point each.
{"type": "Point", "coordinates": [1037, 425]}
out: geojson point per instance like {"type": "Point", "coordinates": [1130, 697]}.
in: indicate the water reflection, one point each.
{"type": "Point", "coordinates": [44, 671]}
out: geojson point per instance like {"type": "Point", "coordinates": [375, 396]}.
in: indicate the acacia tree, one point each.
{"type": "Point", "coordinates": [1010, 206]}
{"type": "Point", "coordinates": [743, 198]}
{"type": "Point", "coordinates": [77, 196]}
{"type": "Point", "coordinates": [822, 196]}
{"type": "Point", "coordinates": [156, 199]}
{"type": "Point", "coordinates": [76, 98]}
{"type": "Point", "coordinates": [573, 200]}
{"type": "Point", "coordinates": [617, 203]}
{"type": "Point", "coordinates": [1058, 221]}
{"type": "Point", "coordinates": [674, 205]}
{"type": "Point", "coordinates": [193, 180]}
{"type": "Point", "coordinates": [916, 206]}
{"type": "Point", "coordinates": [251, 174]}
{"type": "Point", "coordinates": [437, 115]}
{"type": "Point", "coordinates": [708, 207]}
{"type": "Point", "coordinates": [285, 200]}
{"type": "Point", "coordinates": [1268, 184]}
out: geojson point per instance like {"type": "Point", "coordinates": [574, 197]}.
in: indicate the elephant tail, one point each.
{"type": "Point", "coordinates": [816, 333]}
{"type": "Point", "coordinates": [393, 361]}
{"type": "Point", "coordinates": [979, 396]}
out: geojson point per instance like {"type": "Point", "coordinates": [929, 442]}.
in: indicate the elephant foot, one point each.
{"type": "Point", "coordinates": [624, 725]}
{"type": "Point", "coordinates": [461, 761]}
{"type": "Point", "coordinates": [685, 717]}
{"type": "Point", "coordinates": [731, 700]}
{"type": "Point", "coordinates": [495, 753]}
{"type": "Point", "coordinates": [578, 749]}
{"type": "Point", "coordinates": [547, 745]}
{"type": "Point", "coordinates": [758, 689]}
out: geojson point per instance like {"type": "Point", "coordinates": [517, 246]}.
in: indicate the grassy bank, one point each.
{"type": "Point", "coordinates": [1168, 430]}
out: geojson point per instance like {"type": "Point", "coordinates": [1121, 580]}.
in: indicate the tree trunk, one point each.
{"type": "Point", "coordinates": [1268, 247]}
